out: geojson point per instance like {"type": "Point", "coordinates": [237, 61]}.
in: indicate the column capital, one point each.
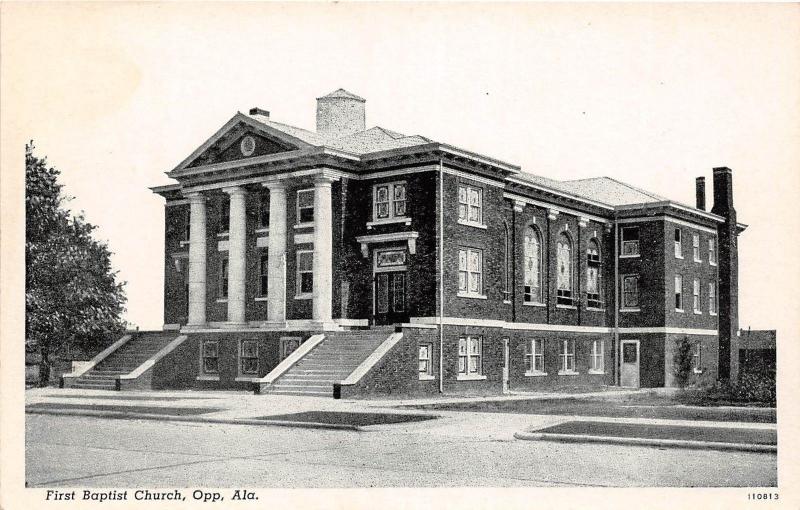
{"type": "Point", "coordinates": [234, 190]}
{"type": "Point", "coordinates": [194, 196]}
{"type": "Point", "coordinates": [275, 185]}
{"type": "Point", "coordinates": [519, 205]}
{"type": "Point", "coordinates": [552, 213]}
{"type": "Point", "coordinates": [326, 176]}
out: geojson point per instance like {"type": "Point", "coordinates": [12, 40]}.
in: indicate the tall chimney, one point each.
{"type": "Point", "coordinates": [728, 270]}
{"type": "Point", "coordinates": [700, 187]}
{"type": "Point", "coordinates": [340, 113]}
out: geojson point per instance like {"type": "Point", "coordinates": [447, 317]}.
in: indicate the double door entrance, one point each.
{"type": "Point", "coordinates": [390, 297]}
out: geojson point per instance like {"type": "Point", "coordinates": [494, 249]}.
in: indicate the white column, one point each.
{"type": "Point", "coordinates": [323, 250]}
{"type": "Point", "coordinates": [237, 246]}
{"type": "Point", "coordinates": [276, 253]}
{"type": "Point", "coordinates": [197, 260]}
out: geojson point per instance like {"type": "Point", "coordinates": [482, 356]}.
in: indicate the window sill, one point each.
{"type": "Point", "coordinates": [309, 224]}
{"type": "Point", "coordinates": [222, 300]}
{"type": "Point", "coordinates": [567, 372]}
{"type": "Point", "coordinates": [630, 256]}
{"type": "Point", "coordinates": [698, 312]}
{"type": "Point", "coordinates": [698, 261]}
{"type": "Point", "coordinates": [593, 309]}
{"type": "Point", "coordinates": [712, 264]}
{"type": "Point", "coordinates": [697, 370]}
{"type": "Point", "coordinates": [472, 224]}
{"type": "Point", "coordinates": [223, 234]}
{"type": "Point", "coordinates": [533, 304]}
{"type": "Point", "coordinates": [247, 378]}
{"type": "Point", "coordinates": [713, 314]}
{"type": "Point", "coordinates": [471, 296]}
{"type": "Point", "coordinates": [596, 372]}
{"type": "Point", "coordinates": [506, 302]}
{"type": "Point", "coordinates": [389, 221]}
{"type": "Point", "coordinates": [462, 377]}
{"type": "Point", "coordinates": [679, 310]}
{"type": "Point", "coordinates": [207, 378]}
{"type": "Point", "coordinates": [630, 310]}
{"type": "Point", "coordinates": [535, 374]}
{"type": "Point", "coordinates": [679, 258]}
{"type": "Point", "coordinates": [304, 296]}
{"type": "Point", "coordinates": [262, 230]}
{"type": "Point", "coordinates": [427, 378]}
{"type": "Point", "coordinates": [261, 298]}
{"type": "Point", "coordinates": [567, 307]}
{"type": "Point", "coordinates": [184, 243]}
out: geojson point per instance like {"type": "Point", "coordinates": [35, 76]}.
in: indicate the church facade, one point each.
{"type": "Point", "coordinates": [470, 274]}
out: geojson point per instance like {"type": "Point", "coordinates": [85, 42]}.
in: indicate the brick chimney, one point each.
{"type": "Point", "coordinates": [728, 269]}
{"type": "Point", "coordinates": [700, 187]}
{"type": "Point", "coordinates": [340, 113]}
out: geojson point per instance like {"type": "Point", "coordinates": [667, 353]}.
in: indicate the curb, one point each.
{"type": "Point", "coordinates": [639, 441]}
{"type": "Point", "coordinates": [194, 419]}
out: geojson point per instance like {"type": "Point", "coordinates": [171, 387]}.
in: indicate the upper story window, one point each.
{"type": "Point", "coordinates": [678, 293]}
{"type": "Point", "coordinates": [263, 275]}
{"type": "Point", "coordinates": [187, 227]}
{"type": "Point", "coordinates": [263, 210]}
{"type": "Point", "coordinates": [696, 296]}
{"type": "Point", "coordinates": [712, 251]}
{"type": "Point", "coordinates": [712, 298]}
{"type": "Point", "coordinates": [305, 274]}
{"type": "Point", "coordinates": [225, 214]}
{"type": "Point", "coordinates": [470, 272]}
{"type": "Point", "coordinates": [506, 262]}
{"type": "Point", "coordinates": [630, 242]}
{"type": "Point", "coordinates": [533, 266]}
{"type": "Point", "coordinates": [305, 206]}
{"type": "Point", "coordinates": [223, 277]}
{"type": "Point", "coordinates": [389, 200]}
{"type": "Point", "coordinates": [470, 205]}
{"type": "Point", "coordinates": [564, 278]}
{"type": "Point", "coordinates": [630, 291]}
{"type": "Point", "coordinates": [696, 247]}
{"type": "Point", "coordinates": [593, 263]}
{"type": "Point", "coordinates": [678, 244]}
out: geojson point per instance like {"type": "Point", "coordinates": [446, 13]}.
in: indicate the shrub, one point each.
{"type": "Point", "coordinates": [682, 362]}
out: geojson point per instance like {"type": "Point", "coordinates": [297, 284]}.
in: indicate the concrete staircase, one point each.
{"type": "Point", "coordinates": [124, 360]}
{"type": "Point", "coordinates": [339, 354]}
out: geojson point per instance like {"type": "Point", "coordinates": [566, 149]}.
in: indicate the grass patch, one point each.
{"type": "Point", "coordinates": [711, 434]}
{"type": "Point", "coordinates": [167, 411]}
{"type": "Point", "coordinates": [345, 418]}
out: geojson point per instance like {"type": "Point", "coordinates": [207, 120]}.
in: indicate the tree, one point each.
{"type": "Point", "coordinates": [72, 297]}
{"type": "Point", "coordinates": [682, 361]}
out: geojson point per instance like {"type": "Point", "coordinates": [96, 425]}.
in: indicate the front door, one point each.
{"type": "Point", "coordinates": [629, 364]}
{"type": "Point", "coordinates": [390, 297]}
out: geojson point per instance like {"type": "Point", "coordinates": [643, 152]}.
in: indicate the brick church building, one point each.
{"type": "Point", "coordinates": [354, 261]}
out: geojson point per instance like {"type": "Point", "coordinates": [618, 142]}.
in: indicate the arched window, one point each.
{"type": "Point", "coordinates": [506, 263]}
{"type": "Point", "coordinates": [533, 266]}
{"type": "Point", "coordinates": [564, 280]}
{"type": "Point", "coordinates": [593, 272]}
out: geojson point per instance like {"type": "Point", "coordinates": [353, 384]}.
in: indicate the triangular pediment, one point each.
{"type": "Point", "coordinates": [242, 138]}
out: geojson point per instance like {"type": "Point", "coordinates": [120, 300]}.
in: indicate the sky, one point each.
{"type": "Point", "coordinates": [651, 94]}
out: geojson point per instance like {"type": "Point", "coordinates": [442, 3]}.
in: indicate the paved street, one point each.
{"type": "Point", "coordinates": [96, 452]}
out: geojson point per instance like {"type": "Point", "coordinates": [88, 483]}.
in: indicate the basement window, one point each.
{"type": "Point", "coordinates": [248, 357]}
{"type": "Point", "coordinates": [210, 357]}
{"type": "Point", "coordinates": [470, 357]}
{"type": "Point", "coordinates": [425, 365]}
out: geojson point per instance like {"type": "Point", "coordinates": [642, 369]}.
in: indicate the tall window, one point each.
{"type": "Point", "coordinates": [630, 241]}
{"type": "Point", "coordinates": [470, 204]}
{"type": "Point", "coordinates": [678, 244]}
{"type": "Point", "coordinates": [630, 291]}
{"type": "Point", "coordinates": [712, 251]}
{"type": "Point", "coordinates": [533, 266]}
{"type": "Point", "coordinates": [223, 277]}
{"type": "Point", "coordinates": [567, 357]}
{"type": "Point", "coordinates": [506, 262]}
{"type": "Point", "coordinates": [534, 356]}
{"type": "Point", "coordinates": [712, 298]}
{"type": "Point", "coordinates": [697, 358]}
{"type": "Point", "coordinates": [263, 210]}
{"type": "Point", "coordinates": [188, 226]}
{"type": "Point", "coordinates": [596, 356]}
{"type": "Point", "coordinates": [470, 271]}
{"type": "Point", "coordinates": [305, 274]}
{"type": "Point", "coordinates": [696, 247]}
{"type": "Point", "coordinates": [425, 365]}
{"type": "Point", "coordinates": [389, 200]}
{"type": "Point", "coordinates": [305, 206]}
{"type": "Point", "coordinates": [696, 295]}
{"type": "Point", "coordinates": [565, 270]}
{"type": "Point", "coordinates": [263, 274]}
{"type": "Point", "coordinates": [470, 352]}
{"type": "Point", "coordinates": [678, 292]}
{"type": "Point", "coordinates": [248, 357]}
{"type": "Point", "coordinates": [210, 357]}
{"type": "Point", "coordinates": [593, 261]}
{"type": "Point", "coordinates": [225, 214]}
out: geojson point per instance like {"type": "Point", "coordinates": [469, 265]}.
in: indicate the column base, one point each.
{"type": "Point", "coordinates": [194, 327]}
{"type": "Point", "coordinates": [234, 325]}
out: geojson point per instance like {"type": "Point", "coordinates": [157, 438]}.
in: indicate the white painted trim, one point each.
{"type": "Point", "coordinates": [568, 372]}
{"type": "Point", "coordinates": [171, 203]}
{"type": "Point", "coordinates": [303, 238]}
{"type": "Point", "coordinates": [670, 219]}
{"type": "Point", "coordinates": [547, 189]}
{"type": "Point", "coordinates": [171, 327]}
{"type": "Point", "coordinates": [418, 326]}
{"type": "Point", "coordinates": [207, 378]}
{"type": "Point", "coordinates": [545, 205]}
{"type": "Point", "coordinates": [462, 377]}
{"type": "Point", "coordinates": [527, 326]}
{"type": "Point", "coordinates": [100, 357]}
{"type": "Point", "coordinates": [372, 359]}
{"type": "Point", "coordinates": [389, 221]}
{"type": "Point", "coordinates": [291, 359]}
{"type": "Point", "coordinates": [535, 374]}
{"type": "Point", "coordinates": [352, 322]}
{"type": "Point", "coordinates": [147, 365]}
{"type": "Point", "coordinates": [261, 298]}
{"type": "Point", "coordinates": [474, 224]}
{"type": "Point", "coordinates": [409, 236]}
{"type": "Point", "coordinates": [475, 178]}
{"type": "Point", "coordinates": [395, 173]}
{"type": "Point", "coordinates": [246, 379]}
{"type": "Point", "coordinates": [470, 295]}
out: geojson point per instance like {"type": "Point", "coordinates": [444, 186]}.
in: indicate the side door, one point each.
{"type": "Point", "coordinates": [629, 364]}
